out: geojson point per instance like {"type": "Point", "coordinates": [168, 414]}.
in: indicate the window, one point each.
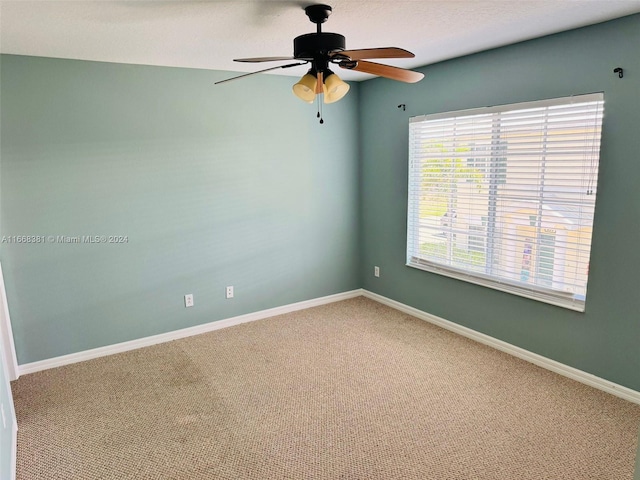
{"type": "Point", "coordinates": [505, 196]}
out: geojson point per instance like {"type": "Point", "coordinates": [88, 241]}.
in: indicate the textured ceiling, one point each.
{"type": "Point", "coordinates": [210, 34]}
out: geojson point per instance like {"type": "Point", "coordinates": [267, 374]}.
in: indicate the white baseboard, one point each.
{"type": "Point", "coordinates": [557, 367]}
{"type": "Point", "coordinates": [182, 333]}
{"type": "Point", "coordinates": [552, 365]}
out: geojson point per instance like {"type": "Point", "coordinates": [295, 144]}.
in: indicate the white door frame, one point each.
{"type": "Point", "coordinates": [6, 334]}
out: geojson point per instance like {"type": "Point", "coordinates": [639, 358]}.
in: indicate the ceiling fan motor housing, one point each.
{"type": "Point", "coordinates": [308, 46]}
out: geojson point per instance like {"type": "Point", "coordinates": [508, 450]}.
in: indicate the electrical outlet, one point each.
{"type": "Point", "coordinates": [188, 300]}
{"type": "Point", "coordinates": [229, 292]}
{"type": "Point", "coordinates": [376, 271]}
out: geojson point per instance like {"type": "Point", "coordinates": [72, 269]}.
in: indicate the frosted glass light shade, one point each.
{"type": "Point", "coordinates": [335, 88]}
{"type": "Point", "coordinates": [305, 89]}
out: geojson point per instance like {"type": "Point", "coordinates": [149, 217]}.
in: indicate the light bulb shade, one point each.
{"type": "Point", "coordinates": [335, 88]}
{"type": "Point", "coordinates": [305, 89]}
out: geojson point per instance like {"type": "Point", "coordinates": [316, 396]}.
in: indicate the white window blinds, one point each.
{"type": "Point", "coordinates": [504, 196]}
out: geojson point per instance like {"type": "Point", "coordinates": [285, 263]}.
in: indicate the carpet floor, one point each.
{"type": "Point", "coordinates": [349, 390]}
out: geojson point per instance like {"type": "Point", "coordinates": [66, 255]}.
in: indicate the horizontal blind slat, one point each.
{"type": "Point", "coordinates": [505, 195]}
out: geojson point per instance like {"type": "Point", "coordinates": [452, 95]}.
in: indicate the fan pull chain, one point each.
{"type": "Point", "coordinates": [319, 115]}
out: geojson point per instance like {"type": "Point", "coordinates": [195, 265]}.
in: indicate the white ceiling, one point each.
{"type": "Point", "coordinates": [209, 34]}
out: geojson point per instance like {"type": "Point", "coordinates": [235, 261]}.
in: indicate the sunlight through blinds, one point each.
{"type": "Point", "coordinates": [505, 196]}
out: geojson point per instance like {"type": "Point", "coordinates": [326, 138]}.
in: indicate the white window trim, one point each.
{"type": "Point", "coordinates": [550, 296]}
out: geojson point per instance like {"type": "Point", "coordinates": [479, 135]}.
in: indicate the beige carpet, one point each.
{"type": "Point", "coordinates": [351, 390]}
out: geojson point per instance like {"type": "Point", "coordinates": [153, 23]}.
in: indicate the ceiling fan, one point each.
{"type": "Point", "coordinates": [321, 49]}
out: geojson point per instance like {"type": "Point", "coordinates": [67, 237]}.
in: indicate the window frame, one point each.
{"type": "Point", "coordinates": [552, 296]}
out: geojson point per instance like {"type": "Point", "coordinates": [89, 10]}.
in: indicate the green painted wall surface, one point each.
{"type": "Point", "coordinates": [604, 340]}
{"type": "Point", "coordinates": [234, 184]}
{"type": "Point", "coordinates": [6, 435]}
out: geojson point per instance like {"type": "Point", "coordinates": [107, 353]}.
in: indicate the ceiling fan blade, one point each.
{"type": "Point", "coordinates": [387, 71]}
{"type": "Point", "coordinates": [262, 59]}
{"type": "Point", "coordinates": [260, 71]}
{"type": "Point", "coordinates": [386, 52]}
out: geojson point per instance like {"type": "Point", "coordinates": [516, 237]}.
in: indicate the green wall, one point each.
{"type": "Point", "coordinates": [604, 340]}
{"type": "Point", "coordinates": [214, 185]}
{"type": "Point", "coordinates": [6, 433]}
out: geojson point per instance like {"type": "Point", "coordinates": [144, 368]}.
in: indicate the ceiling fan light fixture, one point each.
{"type": "Point", "coordinates": [335, 88]}
{"type": "Point", "coordinates": [305, 89]}
{"type": "Point", "coordinates": [321, 49]}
